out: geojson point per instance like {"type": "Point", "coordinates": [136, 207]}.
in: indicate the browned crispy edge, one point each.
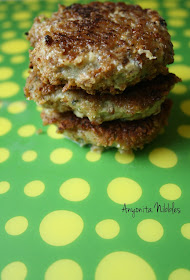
{"type": "Point", "coordinates": [137, 98]}
{"type": "Point", "coordinates": [129, 134]}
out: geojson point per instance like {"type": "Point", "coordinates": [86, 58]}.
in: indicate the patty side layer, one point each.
{"type": "Point", "coordinates": [136, 102]}
{"type": "Point", "coordinates": [124, 135]}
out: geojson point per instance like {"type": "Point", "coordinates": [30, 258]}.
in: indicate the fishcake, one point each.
{"type": "Point", "coordinates": [124, 135]}
{"type": "Point", "coordinates": [137, 102]}
{"type": "Point", "coordinates": [100, 46]}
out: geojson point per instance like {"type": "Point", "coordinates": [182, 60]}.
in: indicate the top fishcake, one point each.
{"type": "Point", "coordinates": [100, 46]}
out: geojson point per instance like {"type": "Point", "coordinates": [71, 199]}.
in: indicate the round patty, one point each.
{"type": "Point", "coordinates": [137, 102]}
{"type": "Point", "coordinates": [100, 46]}
{"type": "Point", "coordinates": [124, 135]}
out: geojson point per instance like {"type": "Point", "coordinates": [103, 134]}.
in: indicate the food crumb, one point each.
{"type": "Point", "coordinates": [39, 131]}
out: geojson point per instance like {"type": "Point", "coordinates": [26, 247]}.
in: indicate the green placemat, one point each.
{"type": "Point", "coordinates": [62, 211]}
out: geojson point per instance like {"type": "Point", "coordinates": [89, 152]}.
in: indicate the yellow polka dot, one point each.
{"type": "Point", "coordinates": [4, 154]}
{"type": "Point", "coordinates": [61, 227]}
{"type": "Point", "coordinates": [2, 16]}
{"type": "Point", "coordinates": [178, 58]}
{"type": "Point", "coordinates": [182, 71]}
{"type": "Point", "coordinates": [124, 158]}
{"type": "Point", "coordinates": [5, 73]}
{"type": "Point", "coordinates": [29, 156]}
{"type": "Point", "coordinates": [176, 44]}
{"type": "Point", "coordinates": [34, 7]}
{"type": "Point", "coordinates": [5, 126]}
{"type": "Point", "coordinates": [39, 109]}
{"type": "Point", "coordinates": [14, 270]}
{"type": "Point", "coordinates": [178, 13]}
{"type": "Point", "coordinates": [107, 228]}
{"type": "Point", "coordinates": [170, 191]}
{"type": "Point", "coordinates": [184, 131]}
{"type": "Point", "coordinates": [64, 269]}
{"type": "Point", "coordinates": [170, 4]}
{"type": "Point", "coordinates": [123, 265]}
{"type": "Point", "coordinates": [185, 230]}
{"type": "Point", "coordinates": [4, 187]}
{"type": "Point", "coordinates": [148, 4]}
{"type": "Point", "coordinates": [25, 74]}
{"type": "Point", "coordinates": [25, 24]}
{"type": "Point", "coordinates": [172, 32]}
{"type": "Point", "coordinates": [163, 157]}
{"type": "Point", "coordinates": [1, 58]}
{"type": "Point", "coordinates": [150, 230]}
{"type": "Point", "coordinates": [21, 15]}
{"type": "Point", "coordinates": [16, 225]}
{"type": "Point", "coordinates": [45, 13]}
{"type": "Point", "coordinates": [185, 107]}
{"type": "Point", "coordinates": [17, 59]}
{"type": "Point", "coordinates": [75, 189]}
{"type": "Point", "coordinates": [15, 46]}
{"type": "Point", "coordinates": [34, 188]}
{"type": "Point", "coordinates": [61, 155]}
{"type": "Point", "coordinates": [51, 131]}
{"type": "Point", "coordinates": [6, 24]}
{"type": "Point", "coordinates": [26, 130]}
{"type": "Point", "coordinates": [30, 1]}
{"type": "Point", "coordinates": [180, 274]}
{"type": "Point", "coordinates": [179, 89]}
{"type": "Point", "coordinates": [176, 22]}
{"type": "Point", "coordinates": [187, 32]}
{"type": "Point", "coordinates": [8, 34]}
{"type": "Point", "coordinates": [8, 89]}
{"type": "Point", "coordinates": [3, 7]}
{"type": "Point", "coordinates": [93, 156]}
{"type": "Point", "coordinates": [124, 190]}
{"type": "Point", "coordinates": [17, 107]}
{"type": "Point", "coordinates": [67, 2]}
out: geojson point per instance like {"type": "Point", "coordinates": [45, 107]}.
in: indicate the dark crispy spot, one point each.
{"type": "Point", "coordinates": [26, 33]}
{"type": "Point", "coordinates": [163, 22]}
{"type": "Point", "coordinates": [30, 65]}
{"type": "Point", "coordinates": [48, 39]}
{"type": "Point", "coordinates": [74, 101]}
{"type": "Point", "coordinates": [125, 60]}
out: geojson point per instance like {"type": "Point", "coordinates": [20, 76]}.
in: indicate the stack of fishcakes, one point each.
{"type": "Point", "coordinates": [100, 73]}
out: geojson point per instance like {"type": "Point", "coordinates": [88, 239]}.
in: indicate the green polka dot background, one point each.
{"type": "Point", "coordinates": [62, 206]}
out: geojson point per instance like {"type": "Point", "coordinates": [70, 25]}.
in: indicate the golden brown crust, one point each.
{"type": "Point", "coordinates": [108, 45]}
{"type": "Point", "coordinates": [126, 135]}
{"type": "Point", "coordinates": [102, 25]}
